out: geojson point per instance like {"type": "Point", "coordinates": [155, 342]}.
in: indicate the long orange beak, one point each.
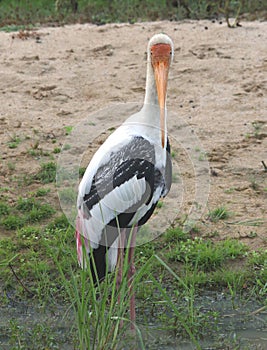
{"type": "Point", "coordinates": [161, 63]}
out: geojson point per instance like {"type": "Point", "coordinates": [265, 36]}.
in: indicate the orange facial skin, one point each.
{"type": "Point", "coordinates": [160, 60]}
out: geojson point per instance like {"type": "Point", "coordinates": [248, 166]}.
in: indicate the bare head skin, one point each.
{"type": "Point", "coordinates": [160, 56]}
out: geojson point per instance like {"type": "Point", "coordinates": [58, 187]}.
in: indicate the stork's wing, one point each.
{"type": "Point", "coordinates": [120, 189]}
{"type": "Point", "coordinates": [168, 170]}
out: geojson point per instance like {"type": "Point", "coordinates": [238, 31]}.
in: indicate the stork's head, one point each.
{"type": "Point", "coordinates": [160, 55]}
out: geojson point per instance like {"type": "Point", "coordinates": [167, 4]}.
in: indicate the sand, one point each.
{"type": "Point", "coordinates": [58, 76]}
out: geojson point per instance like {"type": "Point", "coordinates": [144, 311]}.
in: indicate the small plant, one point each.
{"type": "Point", "coordinates": [68, 129]}
{"type": "Point", "coordinates": [14, 142]}
{"type": "Point", "coordinates": [66, 147]}
{"type": "Point", "coordinates": [11, 166]}
{"type": "Point", "coordinates": [60, 222]}
{"type": "Point", "coordinates": [99, 316]}
{"type": "Point", "coordinates": [41, 192]}
{"type": "Point", "coordinates": [29, 232]}
{"type": "Point", "coordinates": [12, 222]}
{"type": "Point", "coordinates": [68, 195]}
{"type": "Point", "coordinates": [257, 126]}
{"type": "Point", "coordinates": [47, 173]}
{"type": "Point", "coordinates": [174, 235]}
{"type": "Point", "coordinates": [4, 209]}
{"type": "Point", "coordinates": [41, 212]}
{"type": "Point", "coordinates": [254, 185]}
{"type": "Point", "coordinates": [204, 253]}
{"type": "Point", "coordinates": [202, 156]}
{"type": "Point", "coordinates": [219, 213]}
{"type": "Point", "coordinates": [25, 204]}
{"type": "Point", "coordinates": [82, 171]}
{"type": "Point", "coordinates": [56, 150]}
{"type": "Point", "coordinates": [173, 154]}
{"type": "Point", "coordinates": [160, 204]}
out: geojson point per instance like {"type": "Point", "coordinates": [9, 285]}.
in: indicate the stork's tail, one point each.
{"type": "Point", "coordinates": [94, 258]}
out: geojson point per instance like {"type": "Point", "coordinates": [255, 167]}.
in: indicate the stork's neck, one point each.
{"type": "Point", "coordinates": [151, 96]}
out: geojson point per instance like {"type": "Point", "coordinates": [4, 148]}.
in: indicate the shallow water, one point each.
{"type": "Point", "coordinates": [237, 327]}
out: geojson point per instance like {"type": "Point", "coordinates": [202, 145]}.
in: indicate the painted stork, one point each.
{"type": "Point", "coordinates": [127, 176]}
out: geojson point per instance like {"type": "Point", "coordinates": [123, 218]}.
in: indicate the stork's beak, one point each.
{"type": "Point", "coordinates": [161, 77]}
{"type": "Point", "coordinates": [161, 64]}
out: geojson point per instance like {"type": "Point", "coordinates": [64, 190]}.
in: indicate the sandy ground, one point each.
{"type": "Point", "coordinates": [217, 91]}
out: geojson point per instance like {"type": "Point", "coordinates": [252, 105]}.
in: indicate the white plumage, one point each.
{"type": "Point", "coordinates": [130, 171]}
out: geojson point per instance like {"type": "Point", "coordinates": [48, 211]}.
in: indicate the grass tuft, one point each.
{"type": "Point", "coordinates": [219, 213]}
{"type": "Point", "coordinates": [204, 254]}
{"type": "Point", "coordinates": [13, 222]}
{"type": "Point", "coordinates": [175, 234]}
{"type": "Point", "coordinates": [47, 174]}
{"type": "Point", "coordinates": [4, 209]}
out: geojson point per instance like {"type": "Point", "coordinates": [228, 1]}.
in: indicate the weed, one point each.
{"type": "Point", "coordinates": [254, 185]}
{"type": "Point", "coordinates": [99, 319]}
{"type": "Point", "coordinates": [68, 195]}
{"type": "Point", "coordinates": [60, 222]}
{"type": "Point", "coordinates": [66, 147]}
{"type": "Point", "coordinates": [29, 232]}
{"type": "Point", "coordinates": [39, 337]}
{"type": "Point", "coordinates": [160, 204]}
{"type": "Point", "coordinates": [257, 261]}
{"type": "Point", "coordinates": [191, 226]}
{"type": "Point", "coordinates": [206, 254]}
{"type": "Point", "coordinates": [47, 173]}
{"type": "Point", "coordinates": [25, 204]}
{"type": "Point", "coordinates": [4, 209]}
{"type": "Point", "coordinates": [175, 178]}
{"type": "Point", "coordinates": [12, 222]}
{"type": "Point", "coordinates": [11, 166]}
{"type": "Point", "coordinates": [56, 150]}
{"type": "Point", "coordinates": [14, 28]}
{"type": "Point", "coordinates": [230, 190]}
{"type": "Point", "coordinates": [68, 129]}
{"type": "Point", "coordinates": [41, 192]}
{"type": "Point", "coordinates": [202, 156]}
{"type": "Point", "coordinates": [257, 126]}
{"type": "Point", "coordinates": [81, 171]}
{"type": "Point", "coordinates": [40, 212]}
{"type": "Point", "coordinates": [174, 235]}
{"type": "Point", "coordinates": [219, 213]}
{"type": "Point", "coordinates": [14, 141]}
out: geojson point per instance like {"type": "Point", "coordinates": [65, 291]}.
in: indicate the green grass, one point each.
{"type": "Point", "coordinates": [68, 129]}
{"type": "Point", "coordinates": [39, 265]}
{"type": "Point", "coordinates": [4, 209]}
{"type": "Point", "coordinates": [56, 150]}
{"type": "Point", "coordinates": [26, 210]}
{"type": "Point", "coordinates": [170, 273]}
{"type": "Point", "coordinates": [19, 15]}
{"type": "Point", "coordinates": [204, 254]}
{"type": "Point", "coordinates": [219, 213]}
{"type": "Point", "coordinates": [12, 222]}
{"type": "Point", "coordinates": [14, 142]}
{"type": "Point", "coordinates": [41, 192]}
{"type": "Point", "coordinates": [47, 173]}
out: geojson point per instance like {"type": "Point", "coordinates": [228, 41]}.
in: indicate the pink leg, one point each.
{"type": "Point", "coordinates": [131, 276]}
{"type": "Point", "coordinates": [120, 259]}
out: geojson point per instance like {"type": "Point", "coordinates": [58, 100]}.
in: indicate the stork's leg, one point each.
{"type": "Point", "coordinates": [120, 259]}
{"type": "Point", "coordinates": [131, 276]}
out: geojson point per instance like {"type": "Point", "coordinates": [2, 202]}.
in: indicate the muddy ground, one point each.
{"type": "Point", "coordinates": [55, 77]}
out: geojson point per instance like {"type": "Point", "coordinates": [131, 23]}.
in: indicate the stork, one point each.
{"type": "Point", "coordinates": [126, 177]}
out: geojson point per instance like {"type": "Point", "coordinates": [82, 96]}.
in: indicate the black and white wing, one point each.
{"type": "Point", "coordinates": [121, 191]}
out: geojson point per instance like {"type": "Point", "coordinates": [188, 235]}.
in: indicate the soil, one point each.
{"type": "Point", "coordinates": [56, 77]}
